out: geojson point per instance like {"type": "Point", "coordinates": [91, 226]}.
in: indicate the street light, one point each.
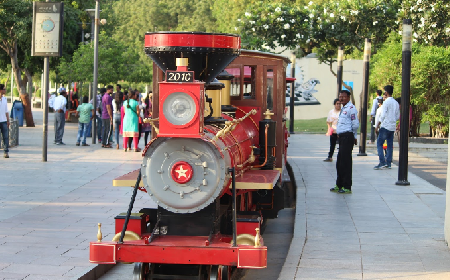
{"type": "Point", "coordinates": [406, 86]}
{"type": "Point", "coordinates": [91, 13]}
{"type": "Point", "coordinates": [94, 15]}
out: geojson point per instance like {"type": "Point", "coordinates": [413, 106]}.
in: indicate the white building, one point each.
{"type": "Point", "coordinates": [316, 86]}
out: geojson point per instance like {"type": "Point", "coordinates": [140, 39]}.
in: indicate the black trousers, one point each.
{"type": "Point", "coordinates": [333, 139]}
{"type": "Point", "coordinates": [344, 160]}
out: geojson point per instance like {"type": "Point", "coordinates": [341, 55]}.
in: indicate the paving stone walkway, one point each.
{"type": "Point", "coordinates": [380, 231]}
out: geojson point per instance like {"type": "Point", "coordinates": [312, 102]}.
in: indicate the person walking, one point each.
{"type": "Point", "coordinates": [332, 120]}
{"type": "Point", "coordinates": [117, 108]}
{"type": "Point", "coordinates": [131, 121]}
{"type": "Point", "coordinates": [346, 130]}
{"type": "Point", "coordinates": [86, 113]}
{"type": "Point", "coordinates": [4, 120]}
{"type": "Point", "coordinates": [59, 105]}
{"type": "Point", "coordinates": [107, 117]}
{"type": "Point", "coordinates": [390, 113]}
{"type": "Point", "coordinates": [372, 116]}
{"type": "Point", "coordinates": [147, 127]}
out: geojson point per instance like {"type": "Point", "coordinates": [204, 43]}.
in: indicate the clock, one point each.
{"type": "Point", "coordinates": [47, 25]}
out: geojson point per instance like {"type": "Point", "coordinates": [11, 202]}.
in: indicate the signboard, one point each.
{"type": "Point", "coordinates": [47, 29]}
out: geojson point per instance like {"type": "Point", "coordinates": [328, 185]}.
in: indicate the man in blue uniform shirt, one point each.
{"type": "Point", "coordinates": [346, 130]}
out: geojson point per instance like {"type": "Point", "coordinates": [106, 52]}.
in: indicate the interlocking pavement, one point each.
{"type": "Point", "coordinates": [380, 231]}
{"type": "Point", "coordinates": [49, 210]}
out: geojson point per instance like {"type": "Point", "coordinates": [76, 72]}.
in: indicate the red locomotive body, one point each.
{"type": "Point", "coordinates": [214, 164]}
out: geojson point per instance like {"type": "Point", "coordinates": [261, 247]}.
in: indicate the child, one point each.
{"type": "Point", "coordinates": [84, 113]}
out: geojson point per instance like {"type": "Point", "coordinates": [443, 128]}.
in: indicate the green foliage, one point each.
{"type": "Point", "coordinates": [15, 92]}
{"type": "Point", "coordinates": [38, 93]}
{"type": "Point", "coordinates": [227, 12]}
{"type": "Point", "coordinates": [430, 72]}
{"type": "Point", "coordinates": [115, 62]}
{"type": "Point", "coordinates": [430, 20]}
{"type": "Point", "coordinates": [319, 27]}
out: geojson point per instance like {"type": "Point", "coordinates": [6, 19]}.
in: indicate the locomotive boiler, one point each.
{"type": "Point", "coordinates": [216, 166]}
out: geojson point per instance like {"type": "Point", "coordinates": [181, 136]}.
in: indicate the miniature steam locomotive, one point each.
{"type": "Point", "coordinates": [216, 166]}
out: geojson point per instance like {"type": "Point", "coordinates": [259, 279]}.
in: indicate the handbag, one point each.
{"type": "Point", "coordinates": [330, 131]}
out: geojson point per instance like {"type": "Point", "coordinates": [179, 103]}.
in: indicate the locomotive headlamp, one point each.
{"type": "Point", "coordinates": [179, 108]}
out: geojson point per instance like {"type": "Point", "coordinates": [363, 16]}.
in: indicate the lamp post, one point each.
{"type": "Point", "coordinates": [291, 103]}
{"type": "Point", "coordinates": [340, 67]}
{"type": "Point", "coordinates": [95, 85]}
{"type": "Point", "coordinates": [93, 15]}
{"type": "Point", "coordinates": [362, 139]}
{"type": "Point", "coordinates": [404, 121]}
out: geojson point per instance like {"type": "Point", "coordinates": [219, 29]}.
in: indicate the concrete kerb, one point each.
{"type": "Point", "coordinates": [95, 272]}
{"type": "Point", "coordinates": [298, 241]}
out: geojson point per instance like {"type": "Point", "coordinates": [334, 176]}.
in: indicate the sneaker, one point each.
{"type": "Point", "coordinates": [77, 144]}
{"type": "Point", "coordinates": [6, 155]}
{"type": "Point", "coordinates": [388, 166]}
{"type": "Point", "coordinates": [60, 143]}
{"type": "Point", "coordinates": [335, 189]}
{"type": "Point", "coordinates": [344, 190]}
{"type": "Point", "coordinates": [380, 166]}
{"type": "Point", "coordinates": [328, 159]}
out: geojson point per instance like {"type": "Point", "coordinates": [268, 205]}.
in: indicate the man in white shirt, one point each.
{"type": "Point", "coordinates": [4, 120]}
{"type": "Point", "coordinates": [59, 105]}
{"type": "Point", "coordinates": [372, 115]}
{"type": "Point", "coordinates": [387, 123]}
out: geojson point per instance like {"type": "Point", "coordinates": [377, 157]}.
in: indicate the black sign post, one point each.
{"type": "Point", "coordinates": [47, 41]}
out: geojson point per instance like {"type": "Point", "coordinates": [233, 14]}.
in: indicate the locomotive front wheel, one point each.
{"type": "Point", "coordinates": [140, 271]}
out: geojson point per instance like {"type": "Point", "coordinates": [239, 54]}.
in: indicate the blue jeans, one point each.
{"type": "Point", "coordinates": [82, 132]}
{"type": "Point", "coordinates": [5, 133]}
{"type": "Point", "coordinates": [117, 127]}
{"type": "Point", "coordinates": [383, 135]}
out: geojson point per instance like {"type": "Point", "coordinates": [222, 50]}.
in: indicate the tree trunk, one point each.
{"type": "Point", "coordinates": [30, 86]}
{"type": "Point", "coordinates": [21, 85]}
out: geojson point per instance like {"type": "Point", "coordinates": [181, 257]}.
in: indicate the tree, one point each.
{"type": "Point", "coordinates": [114, 62]}
{"type": "Point", "coordinates": [15, 22]}
{"type": "Point", "coordinates": [319, 28]}
{"type": "Point", "coordinates": [15, 41]}
{"type": "Point", "coordinates": [430, 90]}
{"type": "Point", "coordinates": [430, 21]}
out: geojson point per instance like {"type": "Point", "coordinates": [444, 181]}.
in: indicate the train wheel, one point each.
{"type": "Point", "coordinates": [226, 272]}
{"type": "Point", "coordinates": [220, 272]}
{"type": "Point", "coordinates": [216, 273]}
{"type": "Point", "coordinates": [140, 271]}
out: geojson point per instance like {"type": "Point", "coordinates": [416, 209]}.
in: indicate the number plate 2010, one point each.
{"type": "Point", "coordinates": [179, 77]}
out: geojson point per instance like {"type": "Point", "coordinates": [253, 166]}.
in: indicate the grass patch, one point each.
{"type": "Point", "coordinates": [319, 126]}
{"type": "Point", "coordinates": [315, 126]}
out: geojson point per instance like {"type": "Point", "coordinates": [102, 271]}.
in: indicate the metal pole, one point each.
{"type": "Point", "coordinates": [44, 98]}
{"type": "Point", "coordinates": [404, 121]}
{"type": "Point", "coordinates": [363, 133]}
{"type": "Point", "coordinates": [233, 203]}
{"type": "Point", "coordinates": [291, 102]}
{"type": "Point", "coordinates": [42, 90]}
{"type": "Point", "coordinates": [340, 67]}
{"type": "Point", "coordinates": [95, 85]}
